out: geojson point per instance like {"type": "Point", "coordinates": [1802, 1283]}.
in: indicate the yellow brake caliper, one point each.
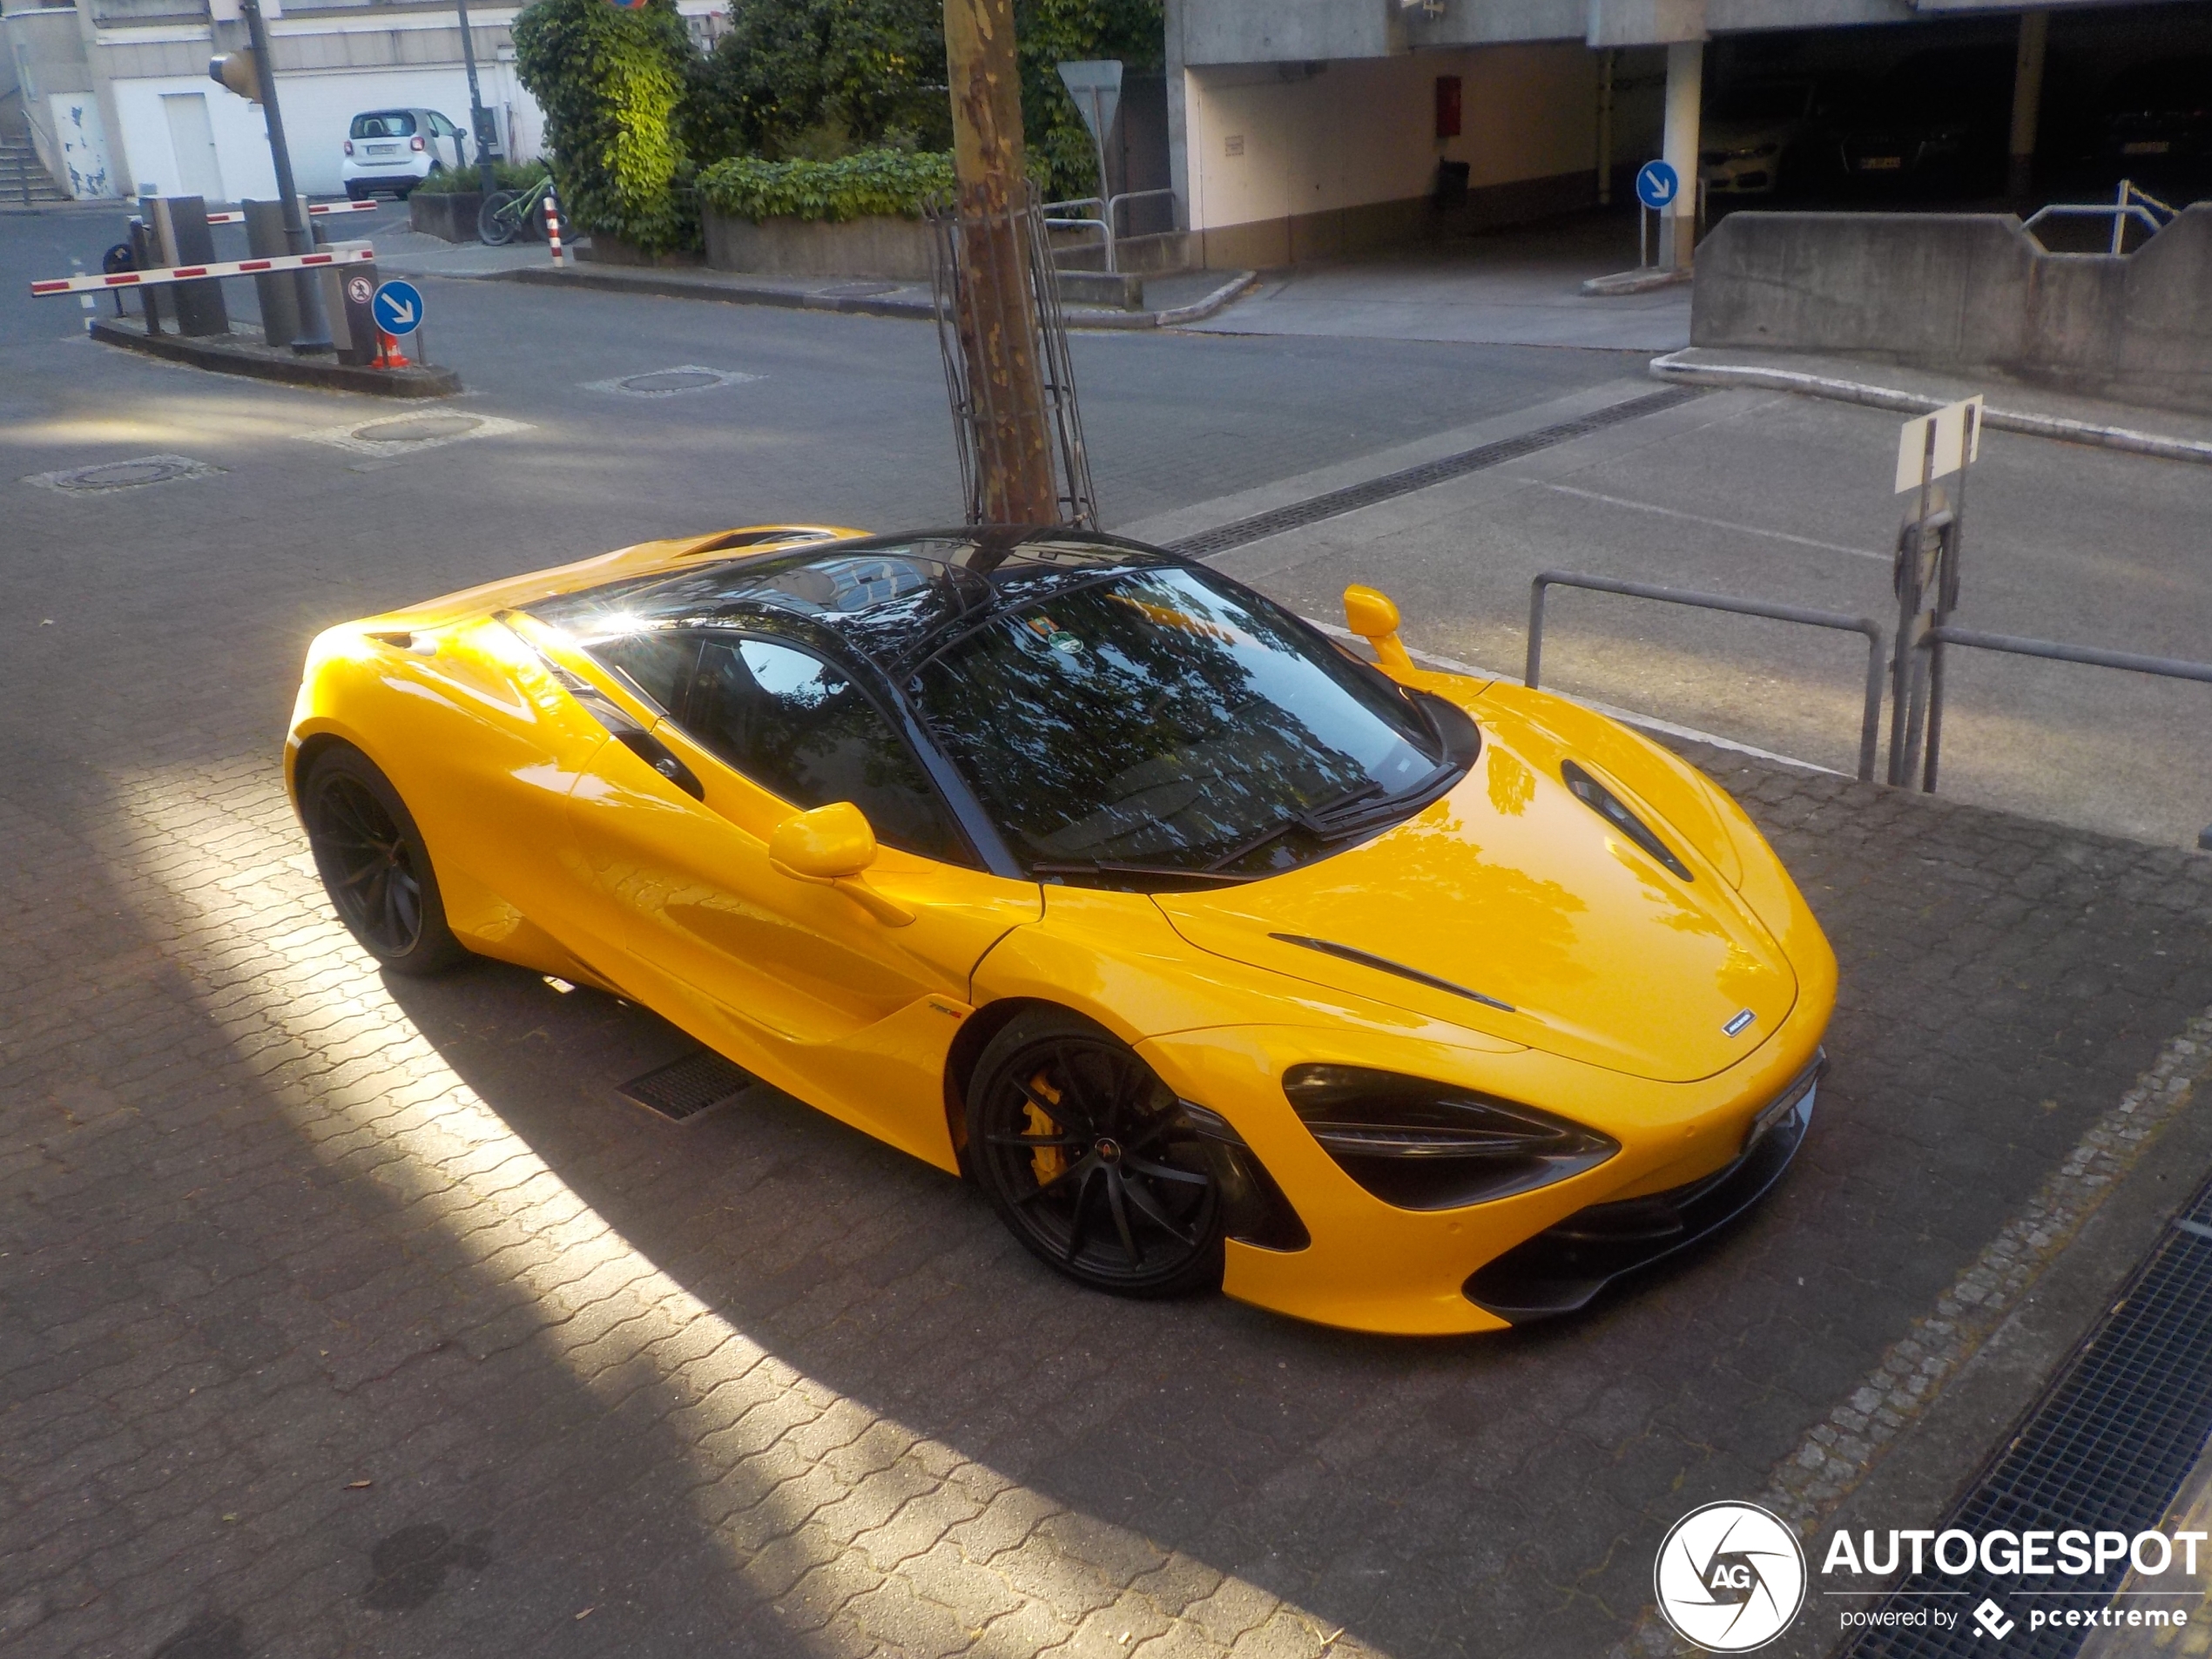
{"type": "Point", "coordinates": [1047, 1164]}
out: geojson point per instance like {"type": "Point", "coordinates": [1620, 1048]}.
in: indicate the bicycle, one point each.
{"type": "Point", "coordinates": [508, 213]}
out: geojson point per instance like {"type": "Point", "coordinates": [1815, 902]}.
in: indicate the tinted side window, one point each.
{"type": "Point", "coordinates": [659, 662]}
{"type": "Point", "coordinates": [796, 726]}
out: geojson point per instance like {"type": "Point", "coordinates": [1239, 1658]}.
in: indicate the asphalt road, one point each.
{"type": "Point", "coordinates": [342, 1315]}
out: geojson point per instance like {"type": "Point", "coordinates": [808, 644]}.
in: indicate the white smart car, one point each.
{"type": "Point", "coordinates": [396, 149]}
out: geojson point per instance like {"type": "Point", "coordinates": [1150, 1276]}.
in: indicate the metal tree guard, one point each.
{"type": "Point", "coordinates": [976, 416]}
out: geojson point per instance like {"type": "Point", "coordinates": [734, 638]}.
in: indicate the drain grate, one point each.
{"type": "Point", "coordinates": [1392, 485]}
{"type": "Point", "coordinates": [685, 1088]}
{"type": "Point", "coordinates": [2106, 1449]}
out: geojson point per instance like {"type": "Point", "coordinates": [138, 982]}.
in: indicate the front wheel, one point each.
{"type": "Point", "coordinates": [495, 223]}
{"type": "Point", "coordinates": [373, 864]}
{"type": "Point", "coordinates": [1088, 1158]}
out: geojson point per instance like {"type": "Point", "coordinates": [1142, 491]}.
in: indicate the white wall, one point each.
{"type": "Point", "coordinates": [318, 109]}
{"type": "Point", "coordinates": [1364, 130]}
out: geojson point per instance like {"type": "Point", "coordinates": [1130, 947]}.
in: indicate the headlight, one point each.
{"type": "Point", "coordinates": [1425, 1145]}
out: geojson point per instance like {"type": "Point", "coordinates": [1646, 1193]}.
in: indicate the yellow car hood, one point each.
{"type": "Point", "coordinates": [1512, 889]}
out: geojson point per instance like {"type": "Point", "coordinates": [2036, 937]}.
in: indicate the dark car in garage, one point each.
{"type": "Point", "coordinates": [2158, 123]}
{"type": "Point", "coordinates": [1935, 123]}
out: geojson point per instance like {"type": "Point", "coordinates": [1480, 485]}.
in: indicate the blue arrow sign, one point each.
{"type": "Point", "coordinates": [397, 306]}
{"type": "Point", "coordinates": [1657, 183]}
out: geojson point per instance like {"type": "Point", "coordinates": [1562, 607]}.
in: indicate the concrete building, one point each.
{"type": "Point", "coordinates": [1304, 129]}
{"type": "Point", "coordinates": [117, 99]}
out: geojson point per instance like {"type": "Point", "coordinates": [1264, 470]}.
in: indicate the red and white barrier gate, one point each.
{"type": "Point", "coordinates": [363, 255]}
{"type": "Point", "coordinates": [315, 211]}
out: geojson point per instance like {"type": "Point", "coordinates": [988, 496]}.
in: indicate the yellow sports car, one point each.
{"type": "Point", "coordinates": [1212, 952]}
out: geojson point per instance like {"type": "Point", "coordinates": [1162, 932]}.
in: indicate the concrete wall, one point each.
{"type": "Point", "coordinates": [1967, 291]}
{"type": "Point", "coordinates": [1284, 164]}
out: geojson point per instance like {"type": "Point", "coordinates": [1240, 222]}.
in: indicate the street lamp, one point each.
{"type": "Point", "coordinates": [479, 117]}
{"type": "Point", "coordinates": [314, 336]}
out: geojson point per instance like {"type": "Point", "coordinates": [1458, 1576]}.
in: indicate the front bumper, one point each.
{"type": "Point", "coordinates": [1368, 1266]}
{"type": "Point", "coordinates": [1563, 1268]}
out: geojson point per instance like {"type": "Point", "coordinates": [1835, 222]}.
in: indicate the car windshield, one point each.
{"type": "Point", "coordinates": [387, 123]}
{"type": "Point", "coordinates": [1759, 103]}
{"type": "Point", "coordinates": [1157, 722]}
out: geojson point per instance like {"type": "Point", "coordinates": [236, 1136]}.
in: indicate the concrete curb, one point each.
{"type": "Point", "coordinates": [1882, 397]}
{"type": "Point", "coordinates": [666, 285]}
{"type": "Point", "coordinates": [1622, 282]}
{"type": "Point", "coordinates": [262, 365]}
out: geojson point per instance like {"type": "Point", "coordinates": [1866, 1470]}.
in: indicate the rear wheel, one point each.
{"type": "Point", "coordinates": [373, 864]}
{"type": "Point", "coordinates": [1088, 1158]}
{"type": "Point", "coordinates": [495, 225]}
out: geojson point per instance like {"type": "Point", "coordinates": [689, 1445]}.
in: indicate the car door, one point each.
{"type": "Point", "coordinates": [798, 981]}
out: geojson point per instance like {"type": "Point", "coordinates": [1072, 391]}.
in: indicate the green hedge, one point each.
{"type": "Point", "coordinates": [610, 80]}
{"type": "Point", "coordinates": [456, 181]}
{"type": "Point", "coordinates": [870, 182]}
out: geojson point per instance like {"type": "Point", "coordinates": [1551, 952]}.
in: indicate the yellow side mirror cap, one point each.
{"type": "Point", "coordinates": [830, 846]}
{"type": "Point", "coordinates": [827, 844]}
{"type": "Point", "coordinates": [1369, 614]}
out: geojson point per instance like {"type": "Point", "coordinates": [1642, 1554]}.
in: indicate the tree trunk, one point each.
{"type": "Point", "coordinates": [998, 320]}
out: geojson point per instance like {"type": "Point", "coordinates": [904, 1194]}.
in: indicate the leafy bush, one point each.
{"type": "Point", "coordinates": [816, 79]}
{"type": "Point", "coordinates": [871, 181]}
{"type": "Point", "coordinates": [611, 80]}
{"type": "Point", "coordinates": [508, 175]}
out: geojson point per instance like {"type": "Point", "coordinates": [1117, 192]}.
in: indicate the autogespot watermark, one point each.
{"type": "Point", "coordinates": [1732, 1578]}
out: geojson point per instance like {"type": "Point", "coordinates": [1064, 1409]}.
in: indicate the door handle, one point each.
{"type": "Point", "coordinates": [662, 758]}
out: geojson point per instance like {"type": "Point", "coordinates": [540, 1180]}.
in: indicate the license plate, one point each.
{"type": "Point", "coordinates": [2147, 147]}
{"type": "Point", "coordinates": [1780, 1114]}
{"type": "Point", "coordinates": [383, 149]}
{"type": "Point", "coordinates": [1880, 164]}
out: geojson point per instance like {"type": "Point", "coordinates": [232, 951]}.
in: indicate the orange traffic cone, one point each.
{"type": "Point", "coordinates": [388, 355]}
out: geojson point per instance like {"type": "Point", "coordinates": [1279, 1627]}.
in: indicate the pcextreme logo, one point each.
{"type": "Point", "coordinates": [1730, 1578]}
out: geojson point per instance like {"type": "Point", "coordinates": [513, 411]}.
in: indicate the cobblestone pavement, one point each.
{"type": "Point", "coordinates": [348, 1315]}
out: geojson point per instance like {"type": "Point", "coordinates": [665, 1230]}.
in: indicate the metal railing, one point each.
{"type": "Point", "coordinates": [1871, 722]}
{"type": "Point", "coordinates": [2132, 203]}
{"type": "Point", "coordinates": [1059, 217]}
{"type": "Point", "coordinates": [2093, 656]}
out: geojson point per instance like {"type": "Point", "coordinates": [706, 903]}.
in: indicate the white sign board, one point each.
{"type": "Point", "coordinates": [1095, 84]}
{"type": "Point", "coordinates": [1958, 444]}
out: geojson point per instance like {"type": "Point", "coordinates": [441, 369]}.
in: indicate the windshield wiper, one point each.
{"type": "Point", "coordinates": [1337, 819]}
{"type": "Point", "coordinates": [1165, 872]}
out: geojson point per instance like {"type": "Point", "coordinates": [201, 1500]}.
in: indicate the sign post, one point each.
{"type": "Point", "coordinates": [1941, 444]}
{"type": "Point", "coordinates": [396, 307]}
{"type": "Point", "coordinates": [1658, 185]}
{"type": "Point", "coordinates": [1095, 86]}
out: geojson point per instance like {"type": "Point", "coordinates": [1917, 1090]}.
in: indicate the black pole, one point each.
{"type": "Point", "coordinates": [314, 327]}
{"type": "Point", "coordinates": [479, 117]}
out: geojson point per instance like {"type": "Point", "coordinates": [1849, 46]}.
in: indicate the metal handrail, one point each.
{"type": "Point", "coordinates": [1871, 722]}
{"type": "Point", "coordinates": [2129, 202]}
{"type": "Point", "coordinates": [1105, 224]}
{"type": "Point", "coordinates": [2095, 656]}
{"type": "Point", "coordinates": [1113, 202]}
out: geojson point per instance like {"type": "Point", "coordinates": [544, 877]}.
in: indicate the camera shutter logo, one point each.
{"type": "Point", "coordinates": [1730, 1578]}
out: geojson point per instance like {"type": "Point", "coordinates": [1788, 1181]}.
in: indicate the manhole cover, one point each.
{"type": "Point", "coordinates": [670, 382]}
{"type": "Point", "coordinates": [856, 290]}
{"type": "Point", "coordinates": [416, 429]}
{"type": "Point", "coordinates": [672, 379]}
{"type": "Point", "coordinates": [124, 475]}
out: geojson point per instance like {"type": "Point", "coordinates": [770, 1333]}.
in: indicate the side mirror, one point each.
{"type": "Point", "coordinates": [1369, 614]}
{"type": "Point", "coordinates": [829, 844]}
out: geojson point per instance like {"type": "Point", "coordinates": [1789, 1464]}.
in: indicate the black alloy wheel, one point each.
{"type": "Point", "coordinates": [1087, 1158]}
{"type": "Point", "coordinates": [373, 864]}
